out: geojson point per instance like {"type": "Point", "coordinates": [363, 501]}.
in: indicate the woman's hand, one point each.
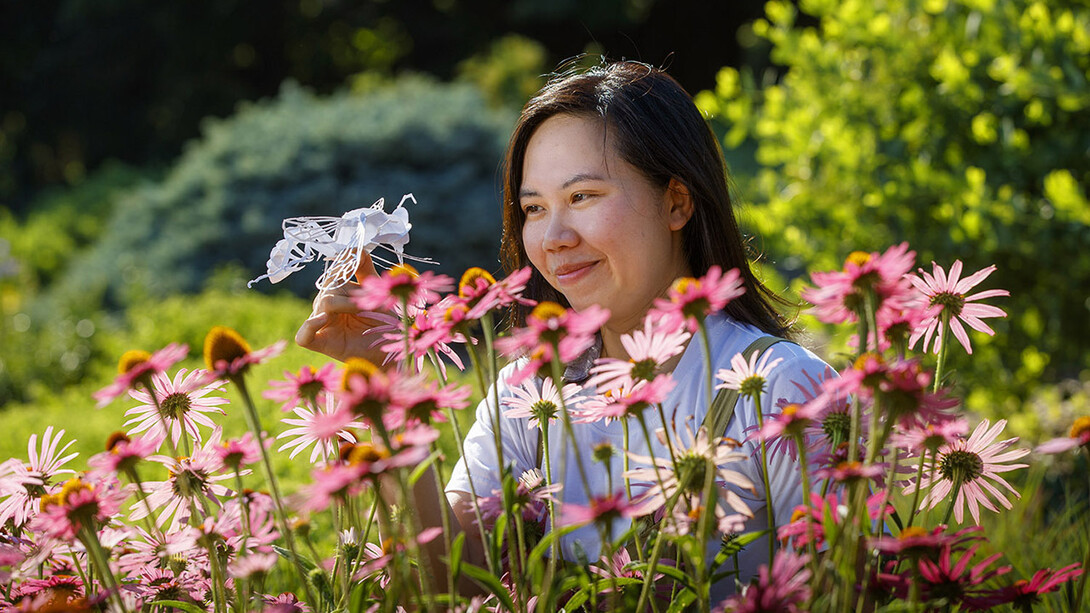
{"type": "Point", "coordinates": [335, 326]}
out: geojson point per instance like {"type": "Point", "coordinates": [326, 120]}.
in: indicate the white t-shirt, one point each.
{"type": "Point", "coordinates": [686, 404]}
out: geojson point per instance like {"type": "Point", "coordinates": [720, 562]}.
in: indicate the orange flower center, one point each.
{"type": "Point", "coordinates": [469, 279]}
{"type": "Point", "coordinates": [1080, 427]}
{"type": "Point", "coordinates": [131, 359]}
{"type": "Point", "coordinates": [223, 344]}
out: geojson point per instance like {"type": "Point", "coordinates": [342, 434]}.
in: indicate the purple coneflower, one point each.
{"type": "Point", "coordinates": [304, 387]}
{"type": "Point", "coordinates": [122, 454]}
{"type": "Point", "coordinates": [602, 509]}
{"type": "Point", "coordinates": [626, 401]}
{"type": "Point", "coordinates": [747, 377]}
{"type": "Point", "coordinates": [137, 367]}
{"type": "Point", "coordinates": [191, 481]}
{"type": "Point", "coordinates": [414, 400]}
{"type": "Point", "coordinates": [236, 453]}
{"type": "Point", "coordinates": [551, 330]}
{"type": "Point", "coordinates": [228, 355]}
{"type": "Point", "coordinates": [693, 461]}
{"type": "Point", "coordinates": [78, 506]}
{"type": "Point", "coordinates": [840, 296]}
{"type": "Point", "coordinates": [1079, 437]}
{"type": "Point", "coordinates": [402, 284]}
{"type": "Point", "coordinates": [690, 300]}
{"type": "Point", "coordinates": [648, 350]}
{"type": "Point", "coordinates": [183, 404]}
{"type": "Point", "coordinates": [968, 466]}
{"type": "Point", "coordinates": [322, 429]}
{"type": "Point", "coordinates": [781, 589]}
{"type": "Point", "coordinates": [539, 401]}
{"type": "Point", "coordinates": [23, 484]}
{"type": "Point", "coordinates": [948, 301]}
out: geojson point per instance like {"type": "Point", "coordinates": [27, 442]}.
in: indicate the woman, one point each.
{"type": "Point", "coordinates": [614, 188]}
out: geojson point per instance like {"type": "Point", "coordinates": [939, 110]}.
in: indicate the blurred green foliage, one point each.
{"type": "Point", "coordinates": [509, 73]}
{"type": "Point", "coordinates": [959, 126]}
{"type": "Point", "coordinates": [300, 154]}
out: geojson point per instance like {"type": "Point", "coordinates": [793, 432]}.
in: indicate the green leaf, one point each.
{"type": "Point", "coordinates": [286, 554]}
{"type": "Point", "coordinates": [681, 600]}
{"type": "Point", "coordinates": [418, 472]}
{"type": "Point", "coordinates": [188, 607]}
{"type": "Point", "coordinates": [456, 554]}
{"type": "Point", "coordinates": [491, 583]}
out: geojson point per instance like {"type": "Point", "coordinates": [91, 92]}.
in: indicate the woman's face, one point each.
{"type": "Point", "coordinates": [596, 228]}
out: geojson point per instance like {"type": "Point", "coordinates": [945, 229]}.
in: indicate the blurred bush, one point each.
{"type": "Point", "coordinates": [509, 73]}
{"type": "Point", "coordinates": [297, 155]}
{"type": "Point", "coordinates": [959, 126]}
{"type": "Point", "coordinates": [122, 242]}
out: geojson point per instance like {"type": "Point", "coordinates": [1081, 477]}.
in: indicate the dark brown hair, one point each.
{"type": "Point", "coordinates": [657, 129]}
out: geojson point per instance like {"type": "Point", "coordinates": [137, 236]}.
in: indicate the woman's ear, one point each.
{"type": "Point", "coordinates": [679, 204]}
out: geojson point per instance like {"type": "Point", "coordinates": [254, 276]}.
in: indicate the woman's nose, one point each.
{"type": "Point", "coordinates": [560, 233]}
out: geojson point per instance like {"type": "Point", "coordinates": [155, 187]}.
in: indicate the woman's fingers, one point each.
{"type": "Point", "coordinates": [334, 303]}
{"type": "Point", "coordinates": [366, 268]}
{"type": "Point", "coordinates": [307, 332]}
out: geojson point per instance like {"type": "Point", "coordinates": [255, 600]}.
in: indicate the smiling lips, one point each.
{"type": "Point", "coordinates": [570, 273]}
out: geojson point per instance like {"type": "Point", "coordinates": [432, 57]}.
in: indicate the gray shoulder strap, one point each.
{"type": "Point", "coordinates": [722, 408]}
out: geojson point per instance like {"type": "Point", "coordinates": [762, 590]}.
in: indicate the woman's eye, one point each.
{"type": "Point", "coordinates": [579, 196]}
{"type": "Point", "coordinates": [530, 208]}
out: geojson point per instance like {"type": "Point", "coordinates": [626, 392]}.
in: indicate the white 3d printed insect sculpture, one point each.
{"type": "Point", "coordinates": [341, 242]}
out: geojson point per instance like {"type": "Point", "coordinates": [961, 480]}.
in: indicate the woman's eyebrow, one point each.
{"type": "Point", "coordinates": [583, 176]}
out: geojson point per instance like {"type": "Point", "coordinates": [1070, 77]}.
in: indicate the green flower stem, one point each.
{"type": "Point", "coordinates": [453, 419]}
{"type": "Point", "coordinates": [916, 493]}
{"type": "Point", "coordinates": [102, 562]}
{"type": "Point", "coordinates": [804, 468]}
{"type": "Point", "coordinates": [79, 571]}
{"type": "Point", "coordinates": [558, 381]}
{"type": "Point", "coordinates": [448, 534]}
{"type": "Point", "coordinates": [703, 581]}
{"type": "Point", "coordinates": [134, 478]}
{"type": "Point", "coordinates": [706, 344]}
{"type": "Point", "coordinates": [764, 478]}
{"type": "Point", "coordinates": [628, 485]}
{"type": "Point", "coordinates": [282, 519]}
{"type": "Point", "coordinates": [944, 343]}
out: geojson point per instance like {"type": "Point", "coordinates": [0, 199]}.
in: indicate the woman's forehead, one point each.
{"type": "Point", "coordinates": [564, 150]}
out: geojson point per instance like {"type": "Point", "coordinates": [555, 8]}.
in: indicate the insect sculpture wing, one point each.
{"type": "Point", "coordinates": [341, 242]}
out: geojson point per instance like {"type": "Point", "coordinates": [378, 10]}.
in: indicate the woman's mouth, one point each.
{"type": "Point", "coordinates": [571, 273]}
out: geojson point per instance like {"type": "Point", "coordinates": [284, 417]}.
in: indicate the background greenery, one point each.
{"type": "Point", "coordinates": [149, 150]}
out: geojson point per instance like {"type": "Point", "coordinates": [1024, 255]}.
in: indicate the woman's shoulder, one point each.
{"type": "Point", "coordinates": [729, 337]}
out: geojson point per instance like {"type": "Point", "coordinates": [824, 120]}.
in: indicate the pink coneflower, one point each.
{"type": "Point", "coordinates": [253, 564]}
{"type": "Point", "coordinates": [304, 387]}
{"type": "Point", "coordinates": [428, 330]}
{"type": "Point", "coordinates": [481, 293]}
{"type": "Point", "coordinates": [414, 400]}
{"type": "Point", "coordinates": [848, 472]}
{"type": "Point", "coordinates": [1079, 437]}
{"type": "Point", "coordinates": [162, 584]}
{"type": "Point", "coordinates": [931, 436]}
{"type": "Point", "coordinates": [915, 542]}
{"type": "Point", "coordinates": [402, 284]}
{"type": "Point", "coordinates": [902, 388]}
{"type": "Point", "coordinates": [236, 453]}
{"type": "Point", "coordinates": [748, 377]}
{"type": "Point", "coordinates": [840, 296]}
{"type": "Point", "coordinates": [376, 558]}
{"type": "Point", "coordinates": [551, 330]}
{"type": "Point", "coordinates": [285, 603]}
{"type": "Point", "coordinates": [629, 400]}
{"type": "Point", "coordinates": [690, 300]}
{"type": "Point", "coordinates": [948, 301]}
{"type": "Point", "coordinates": [531, 496]}
{"type": "Point", "coordinates": [648, 350]}
{"type": "Point", "coordinates": [28, 482]}
{"type": "Point", "coordinates": [78, 506]}
{"type": "Point", "coordinates": [322, 429]}
{"type": "Point", "coordinates": [122, 454]}
{"type": "Point", "coordinates": [968, 466]}
{"type": "Point", "coordinates": [148, 550]}
{"type": "Point", "coordinates": [693, 459]}
{"type": "Point", "coordinates": [539, 401]}
{"type": "Point", "coordinates": [781, 589]}
{"type": "Point", "coordinates": [1026, 595]}
{"type": "Point", "coordinates": [137, 367]}
{"type": "Point", "coordinates": [789, 424]}
{"type": "Point", "coordinates": [191, 481]}
{"type": "Point", "coordinates": [183, 404]}
{"type": "Point", "coordinates": [956, 580]}
{"type": "Point", "coordinates": [602, 509]}
{"type": "Point", "coordinates": [227, 355]}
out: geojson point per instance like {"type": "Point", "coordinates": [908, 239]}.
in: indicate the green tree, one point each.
{"type": "Point", "coordinates": [959, 126]}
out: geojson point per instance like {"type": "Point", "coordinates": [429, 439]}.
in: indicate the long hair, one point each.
{"type": "Point", "coordinates": [657, 129]}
